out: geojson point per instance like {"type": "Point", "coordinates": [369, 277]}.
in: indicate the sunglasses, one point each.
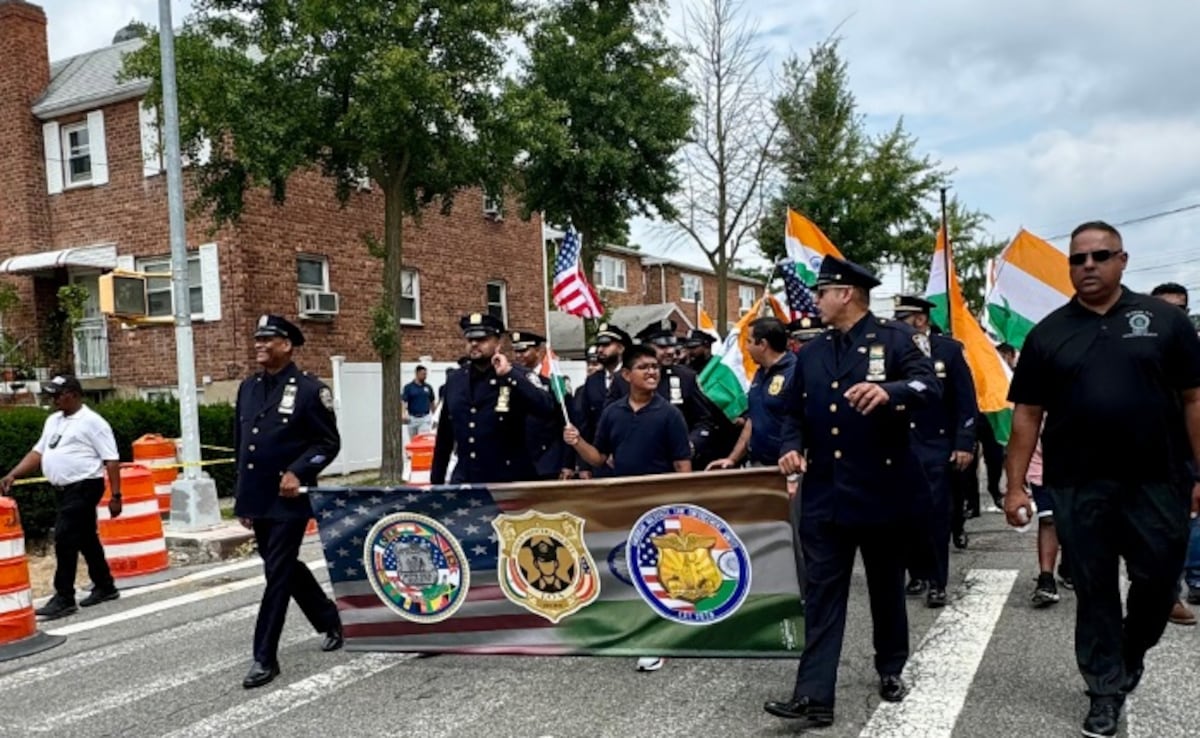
{"type": "Point", "coordinates": [1099, 256]}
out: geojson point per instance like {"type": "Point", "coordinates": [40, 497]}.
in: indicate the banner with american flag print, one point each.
{"type": "Point", "coordinates": [667, 565]}
{"type": "Point", "coordinates": [573, 292]}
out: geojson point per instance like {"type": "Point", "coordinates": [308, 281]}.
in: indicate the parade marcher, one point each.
{"type": "Point", "coordinates": [1045, 592]}
{"type": "Point", "coordinates": [1116, 377]}
{"type": "Point", "coordinates": [601, 388]}
{"type": "Point", "coordinates": [803, 330]}
{"type": "Point", "coordinates": [543, 435]}
{"type": "Point", "coordinates": [848, 433]}
{"type": "Point", "coordinates": [593, 360]}
{"type": "Point", "coordinates": [483, 417]}
{"type": "Point", "coordinates": [285, 435]}
{"type": "Point", "coordinates": [638, 434]}
{"type": "Point", "coordinates": [75, 452]}
{"type": "Point", "coordinates": [944, 439]}
{"type": "Point", "coordinates": [417, 397]}
{"type": "Point", "coordinates": [717, 381]}
{"type": "Point", "coordinates": [712, 434]}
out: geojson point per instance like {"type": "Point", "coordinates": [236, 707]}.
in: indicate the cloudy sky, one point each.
{"type": "Point", "coordinates": [1051, 113]}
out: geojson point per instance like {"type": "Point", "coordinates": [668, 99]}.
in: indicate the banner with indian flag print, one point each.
{"type": "Point", "coordinates": [988, 369]}
{"type": "Point", "coordinates": [667, 565]}
{"type": "Point", "coordinates": [807, 246]}
{"type": "Point", "coordinates": [1030, 279]}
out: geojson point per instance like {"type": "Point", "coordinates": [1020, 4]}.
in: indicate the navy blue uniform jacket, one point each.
{"type": "Point", "coordinates": [543, 436]}
{"type": "Point", "coordinates": [285, 423]}
{"type": "Point", "coordinates": [861, 468]}
{"type": "Point", "coordinates": [949, 425]}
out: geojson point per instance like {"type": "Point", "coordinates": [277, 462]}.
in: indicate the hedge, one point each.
{"type": "Point", "coordinates": [20, 428]}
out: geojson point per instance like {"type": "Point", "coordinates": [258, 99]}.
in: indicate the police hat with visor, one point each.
{"type": "Point", "coordinates": [480, 325]}
{"type": "Point", "coordinates": [659, 333]}
{"type": "Point", "coordinates": [525, 340]}
{"type": "Point", "coordinates": [805, 328]}
{"type": "Point", "coordinates": [699, 338]}
{"type": "Point", "coordinates": [608, 333]}
{"type": "Point", "coordinates": [906, 305]}
{"type": "Point", "coordinates": [837, 272]}
{"type": "Point", "coordinates": [277, 326]}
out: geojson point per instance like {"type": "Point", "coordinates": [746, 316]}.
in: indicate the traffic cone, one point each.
{"type": "Point", "coordinates": [19, 634]}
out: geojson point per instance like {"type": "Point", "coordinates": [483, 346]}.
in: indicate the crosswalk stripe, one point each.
{"type": "Point", "coordinates": [270, 706]}
{"type": "Point", "coordinates": [941, 670]}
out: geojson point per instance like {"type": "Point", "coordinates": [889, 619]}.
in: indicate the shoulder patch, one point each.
{"type": "Point", "coordinates": [922, 342]}
{"type": "Point", "coordinates": [326, 398]}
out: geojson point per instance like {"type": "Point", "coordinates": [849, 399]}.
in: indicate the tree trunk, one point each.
{"type": "Point", "coordinates": [391, 467]}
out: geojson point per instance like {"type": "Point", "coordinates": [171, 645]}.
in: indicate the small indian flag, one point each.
{"type": "Point", "coordinates": [807, 246]}
{"type": "Point", "coordinates": [735, 356]}
{"type": "Point", "coordinates": [1030, 280]}
{"type": "Point", "coordinates": [550, 369]}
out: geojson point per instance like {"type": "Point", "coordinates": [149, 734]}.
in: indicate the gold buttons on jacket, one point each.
{"type": "Point", "coordinates": [250, 447]}
{"type": "Point", "coordinates": [250, 465]}
{"type": "Point", "coordinates": [834, 385]}
{"type": "Point", "coordinates": [837, 454]}
{"type": "Point", "coordinates": [833, 407]}
{"type": "Point", "coordinates": [835, 430]}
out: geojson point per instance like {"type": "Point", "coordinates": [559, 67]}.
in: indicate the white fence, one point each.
{"type": "Point", "coordinates": [357, 397]}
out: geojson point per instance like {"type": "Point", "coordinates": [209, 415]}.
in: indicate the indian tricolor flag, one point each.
{"type": "Point", "coordinates": [735, 356]}
{"type": "Point", "coordinates": [1030, 280]}
{"type": "Point", "coordinates": [807, 246]}
{"type": "Point", "coordinates": [988, 370]}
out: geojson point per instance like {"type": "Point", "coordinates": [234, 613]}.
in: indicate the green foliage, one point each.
{"type": "Point", "coordinates": [868, 194]}
{"type": "Point", "coordinates": [611, 115]}
{"type": "Point", "coordinates": [20, 428]}
{"type": "Point", "coordinates": [385, 331]}
{"type": "Point", "coordinates": [58, 336]}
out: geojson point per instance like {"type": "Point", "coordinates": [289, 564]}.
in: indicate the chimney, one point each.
{"type": "Point", "coordinates": [24, 76]}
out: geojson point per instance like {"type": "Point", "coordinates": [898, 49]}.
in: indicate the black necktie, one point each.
{"type": "Point", "coordinates": [841, 343]}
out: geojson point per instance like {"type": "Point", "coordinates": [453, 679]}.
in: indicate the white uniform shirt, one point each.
{"type": "Point", "coordinates": [75, 447]}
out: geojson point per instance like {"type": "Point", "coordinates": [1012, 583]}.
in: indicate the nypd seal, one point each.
{"type": "Point", "coordinates": [416, 567]}
{"type": "Point", "coordinates": [688, 564]}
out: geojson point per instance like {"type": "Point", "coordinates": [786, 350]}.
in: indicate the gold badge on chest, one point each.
{"type": "Point", "coordinates": [776, 385]}
{"type": "Point", "coordinates": [939, 367]}
{"type": "Point", "coordinates": [287, 404]}
{"type": "Point", "coordinates": [502, 400]}
{"type": "Point", "coordinates": [876, 363]}
{"type": "Point", "coordinates": [676, 392]}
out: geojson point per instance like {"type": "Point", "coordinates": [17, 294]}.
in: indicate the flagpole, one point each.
{"type": "Point", "coordinates": [546, 315]}
{"type": "Point", "coordinates": [946, 262]}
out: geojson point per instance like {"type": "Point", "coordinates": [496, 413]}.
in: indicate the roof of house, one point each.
{"type": "Point", "coordinates": [567, 331]}
{"type": "Point", "coordinates": [89, 80]}
{"type": "Point", "coordinates": [652, 260]}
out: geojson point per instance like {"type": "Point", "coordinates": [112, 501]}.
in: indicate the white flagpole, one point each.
{"type": "Point", "coordinates": [546, 317]}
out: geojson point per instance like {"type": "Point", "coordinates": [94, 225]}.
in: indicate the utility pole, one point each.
{"type": "Point", "coordinates": [193, 497]}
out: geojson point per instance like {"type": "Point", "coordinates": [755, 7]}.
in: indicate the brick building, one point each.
{"type": "Point", "coordinates": [83, 191]}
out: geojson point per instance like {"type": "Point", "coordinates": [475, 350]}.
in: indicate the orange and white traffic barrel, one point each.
{"type": "Point", "coordinates": [134, 544]}
{"type": "Point", "coordinates": [19, 634]}
{"type": "Point", "coordinates": [158, 455]}
{"type": "Point", "coordinates": [420, 452]}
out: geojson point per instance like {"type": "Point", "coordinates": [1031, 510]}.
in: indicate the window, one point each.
{"type": "Point", "coordinates": [746, 297]}
{"type": "Point", "coordinates": [496, 303]}
{"type": "Point", "coordinates": [693, 288]}
{"type": "Point", "coordinates": [312, 273]}
{"type": "Point", "coordinates": [609, 273]}
{"type": "Point", "coordinates": [159, 300]}
{"type": "Point", "coordinates": [410, 296]}
{"type": "Point", "coordinates": [77, 154]}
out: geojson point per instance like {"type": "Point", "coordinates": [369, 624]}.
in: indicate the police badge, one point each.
{"type": "Point", "coordinates": [544, 564]}
{"type": "Point", "coordinates": [676, 392]}
{"type": "Point", "coordinates": [502, 400]}
{"type": "Point", "coordinates": [287, 405]}
{"type": "Point", "coordinates": [776, 385]}
{"type": "Point", "coordinates": [876, 363]}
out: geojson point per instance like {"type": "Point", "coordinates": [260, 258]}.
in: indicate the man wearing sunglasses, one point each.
{"type": "Point", "coordinates": [1116, 375]}
{"type": "Point", "coordinates": [552, 459]}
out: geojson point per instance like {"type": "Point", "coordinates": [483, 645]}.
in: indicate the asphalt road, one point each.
{"type": "Point", "coordinates": [170, 662]}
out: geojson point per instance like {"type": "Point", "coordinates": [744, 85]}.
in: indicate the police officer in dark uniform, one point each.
{"type": "Point", "coordinates": [802, 330]}
{"type": "Point", "coordinates": [944, 439]}
{"type": "Point", "coordinates": [601, 388]}
{"type": "Point", "coordinates": [848, 432]}
{"type": "Point", "coordinates": [552, 458]}
{"type": "Point", "coordinates": [286, 433]}
{"type": "Point", "coordinates": [487, 403]}
{"type": "Point", "coordinates": [712, 433]}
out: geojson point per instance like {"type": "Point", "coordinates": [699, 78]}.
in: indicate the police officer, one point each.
{"type": "Point", "coordinates": [717, 381]}
{"type": "Point", "coordinates": [944, 439]}
{"type": "Point", "coordinates": [713, 435]}
{"type": "Point", "coordinates": [848, 432]}
{"type": "Point", "coordinates": [802, 330]}
{"type": "Point", "coordinates": [601, 388]}
{"type": "Point", "coordinates": [484, 414]}
{"type": "Point", "coordinates": [286, 434]}
{"type": "Point", "coordinates": [552, 458]}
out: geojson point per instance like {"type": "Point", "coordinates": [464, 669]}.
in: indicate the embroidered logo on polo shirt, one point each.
{"type": "Point", "coordinates": [1139, 324]}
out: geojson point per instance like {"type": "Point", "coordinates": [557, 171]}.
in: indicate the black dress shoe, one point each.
{"type": "Point", "coordinates": [936, 599]}
{"type": "Point", "coordinates": [260, 675]}
{"type": "Point", "coordinates": [814, 714]}
{"type": "Point", "coordinates": [333, 639]}
{"type": "Point", "coordinates": [960, 540]}
{"type": "Point", "coordinates": [99, 595]}
{"type": "Point", "coordinates": [57, 607]}
{"type": "Point", "coordinates": [892, 688]}
{"type": "Point", "coordinates": [915, 588]}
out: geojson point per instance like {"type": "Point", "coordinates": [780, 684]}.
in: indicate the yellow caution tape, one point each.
{"type": "Point", "coordinates": [177, 465]}
{"type": "Point", "coordinates": [226, 449]}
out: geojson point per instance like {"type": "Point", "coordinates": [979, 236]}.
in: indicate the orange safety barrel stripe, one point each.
{"type": "Point", "coordinates": [14, 575]}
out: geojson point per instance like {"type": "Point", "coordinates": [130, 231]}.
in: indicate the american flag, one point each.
{"type": "Point", "coordinates": [572, 291]}
{"type": "Point", "coordinates": [799, 297]}
{"type": "Point", "coordinates": [647, 554]}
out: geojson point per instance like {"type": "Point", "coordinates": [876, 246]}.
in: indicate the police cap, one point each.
{"type": "Point", "coordinates": [905, 305]}
{"type": "Point", "coordinates": [837, 272]}
{"type": "Point", "coordinates": [480, 325]}
{"type": "Point", "coordinates": [608, 333]}
{"type": "Point", "coordinates": [805, 329]}
{"type": "Point", "coordinates": [699, 338]}
{"type": "Point", "coordinates": [277, 326]}
{"type": "Point", "coordinates": [522, 340]}
{"type": "Point", "coordinates": [659, 333]}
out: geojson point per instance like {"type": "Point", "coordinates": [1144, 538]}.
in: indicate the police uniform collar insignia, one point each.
{"type": "Point", "coordinates": [876, 363]}
{"type": "Point", "coordinates": [922, 342]}
{"type": "Point", "coordinates": [544, 565]}
{"type": "Point", "coordinates": [287, 405]}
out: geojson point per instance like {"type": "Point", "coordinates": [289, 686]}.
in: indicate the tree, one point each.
{"type": "Point", "coordinates": [410, 93]}
{"type": "Point", "coordinates": [620, 114]}
{"type": "Point", "coordinates": [868, 194]}
{"type": "Point", "coordinates": [729, 157]}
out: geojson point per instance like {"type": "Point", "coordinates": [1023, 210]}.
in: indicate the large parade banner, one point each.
{"type": "Point", "coordinates": [668, 565]}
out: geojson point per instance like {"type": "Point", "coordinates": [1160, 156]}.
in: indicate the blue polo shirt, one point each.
{"type": "Point", "coordinates": [648, 441]}
{"type": "Point", "coordinates": [418, 398]}
{"type": "Point", "coordinates": [768, 398]}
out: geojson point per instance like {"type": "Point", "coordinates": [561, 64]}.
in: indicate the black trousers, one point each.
{"type": "Point", "coordinates": [1099, 523]}
{"type": "Point", "coordinates": [829, 550]}
{"type": "Point", "coordinates": [287, 578]}
{"type": "Point", "coordinates": [75, 533]}
{"type": "Point", "coordinates": [929, 540]}
{"type": "Point", "coordinates": [993, 456]}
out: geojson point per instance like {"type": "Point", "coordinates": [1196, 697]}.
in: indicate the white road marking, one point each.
{"type": "Point", "coordinates": [161, 605]}
{"type": "Point", "coordinates": [941, 670]}
{"type": "Point", "coordinates": [246, 715]}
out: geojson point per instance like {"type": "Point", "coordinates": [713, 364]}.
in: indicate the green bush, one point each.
{"type": "Point", "coordinates": [20, 428]}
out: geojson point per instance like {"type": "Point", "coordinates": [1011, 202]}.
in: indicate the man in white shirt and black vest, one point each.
{"type": "Point", "coordinates": [75, 451]}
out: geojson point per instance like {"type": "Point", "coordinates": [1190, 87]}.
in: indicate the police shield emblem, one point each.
{"type": "Point", "coordinates": [776, 385]}
{"type": "Point", "coordinates": [287, 405]}
{"type": "Point", "coordinates": [676, 392]}
{"type": "Point", "coordinates": [502, 400]}
{"type": "Point", "coordinates": [876, 363]}
{"type": "Point", "coordinates": [544, 565]}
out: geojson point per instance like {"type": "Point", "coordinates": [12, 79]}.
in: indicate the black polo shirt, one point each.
{"type": "Point", "coordinates": [648, 441]}
{"type": "Point", "coordinates": [769, 406]}
{"type": "Point", "coordinates": [1110, 385]}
